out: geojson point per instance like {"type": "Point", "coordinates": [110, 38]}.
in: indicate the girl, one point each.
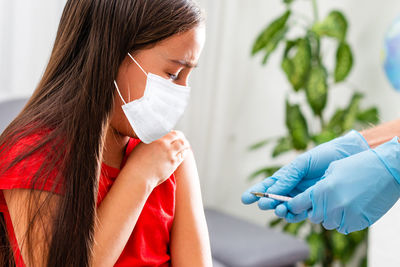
{"type": "Point", "coordinates": [78, 187]}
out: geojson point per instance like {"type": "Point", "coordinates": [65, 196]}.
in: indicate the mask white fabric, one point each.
{"type": "Point", "coordinates": [159, 110]}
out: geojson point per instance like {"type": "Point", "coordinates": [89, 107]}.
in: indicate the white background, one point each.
{"type": "Point", "coordinates": [235, 102]}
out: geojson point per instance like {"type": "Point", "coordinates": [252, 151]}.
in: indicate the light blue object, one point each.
{"type": "Point", "coordinates": [306, 170]}
{"type": "Point", "coordinates": [392, 54]}
{"type": "Point", "coordinates": [355, 191]}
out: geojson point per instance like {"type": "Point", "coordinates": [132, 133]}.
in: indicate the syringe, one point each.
{"type": "Point", "coordinates": [273, 196]}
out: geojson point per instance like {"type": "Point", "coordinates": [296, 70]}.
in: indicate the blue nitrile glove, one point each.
{"type": "Point", "coordinates": [354, 192]}
{"type": "Point", "coordinates": [303, 172]}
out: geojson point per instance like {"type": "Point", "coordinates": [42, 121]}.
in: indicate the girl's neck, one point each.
{"type": "Point", "coordinates": [114, 148]}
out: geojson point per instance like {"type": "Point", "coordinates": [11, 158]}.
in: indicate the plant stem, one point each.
{"type": "Point", "coordinates": [328, 260]}
{"type": "Point", "coordinates": [321, 119]}
{"type": "Point", "coordinates": [315, 8]}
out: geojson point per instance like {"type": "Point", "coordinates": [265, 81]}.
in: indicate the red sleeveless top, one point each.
{"type": "Point", "coordinates": [148, 244]}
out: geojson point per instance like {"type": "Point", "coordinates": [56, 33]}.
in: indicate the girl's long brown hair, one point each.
{"type": "Point", "coordinates": [74, 101]}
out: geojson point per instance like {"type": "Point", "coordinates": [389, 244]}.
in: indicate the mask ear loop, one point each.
{"type": "Point", "coordinates": [137, 64]}
{"type": "Point", "coordinates": [116, 86]}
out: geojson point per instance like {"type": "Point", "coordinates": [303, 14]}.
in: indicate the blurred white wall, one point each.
{"type": "Point", "coordinates": [235, 101]}
{"type": "Point", "coordinates": [27, 33]}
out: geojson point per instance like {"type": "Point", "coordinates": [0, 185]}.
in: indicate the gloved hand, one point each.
{"type": "Point", "coordinates": [303, 172]}
{"type": "Point", "coordinates": [354, 192]}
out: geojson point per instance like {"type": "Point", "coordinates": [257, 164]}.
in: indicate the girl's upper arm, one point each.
{"type": "Point", "coordinates": [189, 237]}
{"type": "Point", "coordinates": [35, 211]}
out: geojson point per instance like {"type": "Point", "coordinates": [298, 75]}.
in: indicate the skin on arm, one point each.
{"type": "Point", "coordinates": [115, 225]}
{"type": "Point", "coordinates": [189, 238]}
{"type": "Point", "coordinates": [382, 133]}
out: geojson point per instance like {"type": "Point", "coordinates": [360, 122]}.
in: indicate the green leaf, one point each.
{"type": "Point", "coordinates": [269, 37]}
{"type": "Point", "coordinates": [368, 116]}
{"type": "Point", "coordinates": [298, 66]}
{"type": "Point", "coordinates": [358, 237]}
{"type": "Point", "coordinates": [344, 62]}
{"type": "Point", "coordinates": [334, 25]}
{"type": "Point", "coordinates": [317, 89]}
{"type": "Point", "coordinates": [364, 262]}
{"type": "Point", "coordinates": [284, 145]}
{"type": "Point", "coordinates": [273, 44]}
{"type": "Point", "coordinates": [350, 115]}
{"type": "Point", "coordinates": [260, 144]}
{"type": "Point", "coordinates": [297, 126]}
{"type": "Point", "coordinates": [265, 172]}
{"type": "Point", "coordinates": [288, 1]}
{"type": "Point", "coordinates": [340, 244]}
{"type": "Point", "coordinates": [275, 222]}
{"type": "Point", "coordinates": [293, 228]}
{"type": "Point", "coordinates": [324, 136]}
{"type": "Point", "coordinates": [316, 245]}
{"type": "Point", "coordinates": [335, 124]}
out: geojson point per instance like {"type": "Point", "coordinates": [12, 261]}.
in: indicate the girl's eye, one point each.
{"type": "Point", "coordinates": [173, 76]}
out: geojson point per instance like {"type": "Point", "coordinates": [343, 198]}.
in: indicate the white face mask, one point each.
{"type": "Point", "coordinates": [159, 110]}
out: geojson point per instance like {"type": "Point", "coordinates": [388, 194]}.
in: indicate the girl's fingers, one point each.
{"type": "Point", "coordinates": [179, 136]}
{"type": "Point", "coordinates": [182, 154]}
{"type": "Point", "coordinates": [178, 144]}
{"type": "Point", "coordinates": [173, 136]}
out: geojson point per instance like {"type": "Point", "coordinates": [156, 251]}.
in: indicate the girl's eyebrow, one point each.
{"type": "Point", "coordinates": [184, 63]}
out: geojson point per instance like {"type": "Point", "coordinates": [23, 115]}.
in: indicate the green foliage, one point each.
{"type": "Point", "coordinates": [304, 68]}
{"type": "Point", "coordinates": [264, 172]}
{"type": "Point", "coordinates": [293, 228]}
{"type": "Point", "coordinates": [288, 1]}
{"type": "Point", "coordinates": [350, 116]}
{"type": "Point", "coordinates": [269, 39]}
{"type": "Point", "coordinates": [344, 247]}
{"type": "Point", "coordinates": [260, 144]}
{"type": "Point", "coordinates": [334, 25]}
{"type": "Point", "coordinates": [368, 116]}
{"type": "Point", "coordinates": [364, 262]}
{"type": "Point", "coordinates": [275, 222]}
{"type": "Point", "coordinates": [324, 137]}
{"type": "Point", "coordinates": [297, 66]}
{"type": "Point", "coordinates": [344, 62]}
{"type": "Point", "coordinates": [283, 145]}
{"type": "Point", "coordinates": [345, 119]}
{"type": "Point", "coordinates": [316, 245]}
{"type": "Point", "coordinates": [317, 89]}
{"type": "Point", "coordinates": [297, 126]}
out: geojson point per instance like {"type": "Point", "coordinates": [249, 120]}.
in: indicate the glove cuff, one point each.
{"type": "Point", "coordinates": [361, 139]}
{"type": "Point", "coordinates": [355, 138]}
{"type": "Point", "coordinates": [389, 154]}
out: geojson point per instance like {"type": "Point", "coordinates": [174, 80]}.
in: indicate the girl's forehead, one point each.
{"type": "Point", "coordinates": [184, 46]}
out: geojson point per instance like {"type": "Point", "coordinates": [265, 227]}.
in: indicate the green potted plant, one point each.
{"type": "Point", "coordinates": [304, 65]}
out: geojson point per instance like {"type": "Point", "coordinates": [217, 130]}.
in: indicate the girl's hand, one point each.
{"type": "Point", "coordinates": [155, 162]}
